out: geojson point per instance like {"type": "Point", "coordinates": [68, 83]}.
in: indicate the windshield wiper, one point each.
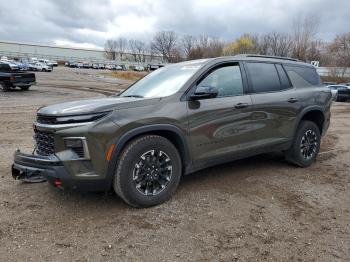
{"type": "Point", "coordinates": [138, 96]}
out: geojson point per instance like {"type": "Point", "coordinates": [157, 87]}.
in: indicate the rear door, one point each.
{"type": "Point", "coordinates": [275, 103]}
{"type": "Point", "coordinates": [220, 126]}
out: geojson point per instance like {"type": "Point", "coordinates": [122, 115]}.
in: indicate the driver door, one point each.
{"type": "Point", "coordinates": [220, 126]}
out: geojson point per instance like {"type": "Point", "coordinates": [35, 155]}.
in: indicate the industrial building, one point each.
{"type": "Point", "coordinates": [25, 50]}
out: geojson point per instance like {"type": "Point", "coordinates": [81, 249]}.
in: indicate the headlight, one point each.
{"type": "Point", "coordinates": [80, 118]}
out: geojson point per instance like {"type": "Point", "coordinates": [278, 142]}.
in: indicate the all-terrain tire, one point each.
{"type": "Point", "coordinates": [134, 154]}
{"type": "Point", "coordinates": [306, 144]}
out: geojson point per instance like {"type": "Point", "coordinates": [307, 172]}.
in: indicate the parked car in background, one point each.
{"type": "Point", "coordinates": [152, 67]}
{"type": "Point", "coordinates": [86, 65]}
{"type": "Point", "coordinates": [38, 66]}
{"type": "Point", "coordinates": [73, 64]}
{"type": "Point", "coordinates": [139, 68]}
{"type": "Point", "coordinates": [11, 78]}
{"type": "Point", "coordinates": [342, 92]}
{"type": "Point", "coordinates": [118, 67]}
{"type": "Point", "coordinates": [110, 67]}
{"type": "Point", "coordinates": [101, 66]}
{"type": "Point", "coordinates": [329, 83]}
{"type": "Point", "coordinates": [21, 66]}
{"type": "Point", "coordinates": [334, 92]}
{"type": "Point", "coordinates": [54, 63]}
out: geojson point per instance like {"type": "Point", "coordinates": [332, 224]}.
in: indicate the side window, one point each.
{"type": "Point", "coordinates": [227, 80]}
{"type": "Point", "coordinates": [302, 76]}
{"type": "Point", "coordinates": [285, 83]}
{"type": "Point", "coordinates": [264, 77]}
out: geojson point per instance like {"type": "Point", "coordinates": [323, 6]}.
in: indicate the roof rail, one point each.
{"type": "Point", "coordinates": [269, 56]}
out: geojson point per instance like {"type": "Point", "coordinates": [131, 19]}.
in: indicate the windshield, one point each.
{"type": "Point", "coordinates": [164, 81]}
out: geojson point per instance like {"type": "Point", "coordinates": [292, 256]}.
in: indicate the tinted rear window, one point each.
{"type": "Point", "coordinates": [264, 77]}
{"type": "Point", "coordinates": [302, 76]}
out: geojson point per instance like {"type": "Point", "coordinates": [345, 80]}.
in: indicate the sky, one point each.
{"type": "Point", "coordinates": [89, 23]}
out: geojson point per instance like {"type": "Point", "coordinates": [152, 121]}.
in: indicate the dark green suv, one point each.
{"type": "Point", "coordinates": [179, 119]}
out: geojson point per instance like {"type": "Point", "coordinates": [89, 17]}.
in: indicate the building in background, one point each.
{"type": "Point", "coordinates": [24, 50]}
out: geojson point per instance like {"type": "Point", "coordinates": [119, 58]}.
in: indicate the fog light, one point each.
{"type": "Point", "coordinates": [78, 145]}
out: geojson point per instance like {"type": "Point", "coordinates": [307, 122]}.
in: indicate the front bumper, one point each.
{"type": "Point", "coordinates": [52, 169]}
{"type": "Point", "coordinates": [23, 83]}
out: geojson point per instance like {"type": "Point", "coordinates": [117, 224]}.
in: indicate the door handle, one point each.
{"type": "Point", "coordinates": [241, 105]}
{"type": "Point", "coordinates": [292, 100]}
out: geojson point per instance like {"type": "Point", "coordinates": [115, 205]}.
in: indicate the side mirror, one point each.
{"type": "Point", "coordinates": [204, 92]}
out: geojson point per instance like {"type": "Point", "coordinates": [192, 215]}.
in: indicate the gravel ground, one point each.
{"type": "Point", "coordinates": [257, 209]}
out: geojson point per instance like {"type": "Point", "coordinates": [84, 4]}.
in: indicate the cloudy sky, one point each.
{"type": "Point", "coordinates": [88, 23]}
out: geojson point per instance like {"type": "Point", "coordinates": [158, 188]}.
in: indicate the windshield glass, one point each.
{"type": "Point", "coordinates": [164, 81]}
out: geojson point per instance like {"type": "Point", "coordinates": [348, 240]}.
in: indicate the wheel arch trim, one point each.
{"type": "Point", "coordinates": [306, 111]}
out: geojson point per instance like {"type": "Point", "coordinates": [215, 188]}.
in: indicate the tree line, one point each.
{"type": "Point", "coordinates": [302, 43]}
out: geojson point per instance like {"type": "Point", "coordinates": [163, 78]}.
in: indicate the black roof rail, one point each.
{"type": "Point", "coordinates": [269, 56]}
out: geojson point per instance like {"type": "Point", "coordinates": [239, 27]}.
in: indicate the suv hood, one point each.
{"type": "Point", "coordinates": [94, 105]}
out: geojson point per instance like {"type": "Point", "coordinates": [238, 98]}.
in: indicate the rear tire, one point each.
{"type": "Point", "coordinates": [4, 87]}
{"type": "Point", "coordinates": [148, 171]}
{"type": "Point", "coordinates": [24, 88]}
{"type": "Point", "coordinates": [306, 145]}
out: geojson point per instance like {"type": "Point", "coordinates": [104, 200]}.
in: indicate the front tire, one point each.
{"type": "Point", "coordinates": [148, 171]}
{"type": "Point", "coordinates": [306, 145]}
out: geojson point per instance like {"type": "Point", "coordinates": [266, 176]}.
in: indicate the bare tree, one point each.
{"type": "Point", "coordinates": [215, 47]}
{"type": "Point", "coordinates": [314, 53]}
{"type": "Point", "coordinates": [188, 43]}
{"type": "Point", "coordinates": [274, 43]}
{"type": "Point", "coordinates": [202, 47]}
{"type": "Point", "coordinates": [121, 46]}
{"type": "Point", "coordinates": [305, 31]}
{"type": "Point", "coordinates": [164, 43]}
{"type": "Point", "coordinates": [138, 50]}
{"type": "Point", "coordinates": [111, 49]}
{"type": "Point", "coordinates": [340, 50]}
{"type": "Point", "coordinates": [132, 46]}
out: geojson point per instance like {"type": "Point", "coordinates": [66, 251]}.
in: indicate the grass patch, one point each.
{"type": "Point", "coordinates": [128, 75]}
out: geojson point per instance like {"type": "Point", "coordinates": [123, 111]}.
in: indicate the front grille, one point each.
{"type": "Point", "coordinates": [49, 120]}
{"type": "Point", "coordinates": [45, 142]}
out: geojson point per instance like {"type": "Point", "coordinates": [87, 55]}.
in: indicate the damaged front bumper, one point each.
{"type": "Point", "coordinates": [34, 168]}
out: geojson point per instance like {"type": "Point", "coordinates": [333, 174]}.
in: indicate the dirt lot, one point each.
{"type": "Point", "coordinates": [250, 210]}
